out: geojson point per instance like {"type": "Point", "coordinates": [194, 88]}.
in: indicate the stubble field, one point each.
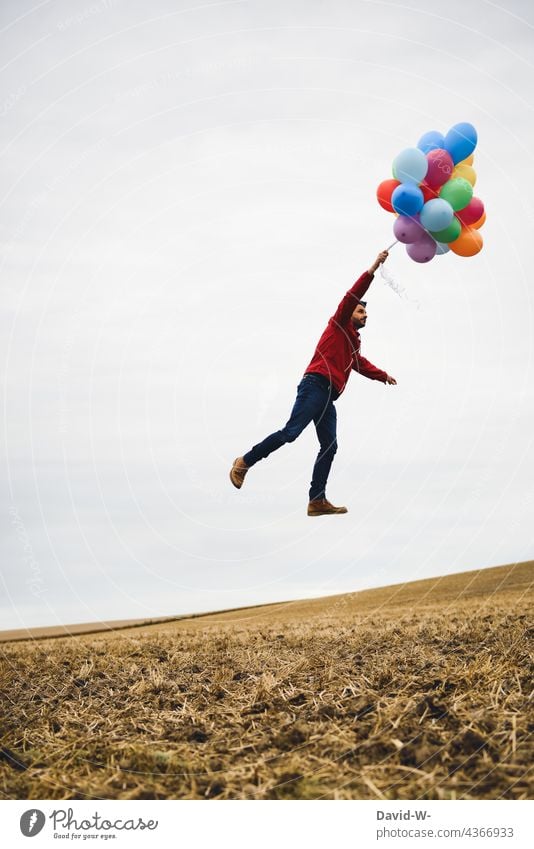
{"type": "Point", "coordinates": [419, 691]}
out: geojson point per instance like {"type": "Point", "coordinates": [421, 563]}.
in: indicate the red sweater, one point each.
{"type": "Point", "coordinates": [338, 349]}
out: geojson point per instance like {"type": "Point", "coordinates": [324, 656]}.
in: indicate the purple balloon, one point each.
{"type": "Point", "coordinates": [407, 229]}
{"type": "Point", "coordinates": [423, 250]}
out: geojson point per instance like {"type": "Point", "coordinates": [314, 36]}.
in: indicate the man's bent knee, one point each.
{"type": "Point", "coordinates": [290, 433]}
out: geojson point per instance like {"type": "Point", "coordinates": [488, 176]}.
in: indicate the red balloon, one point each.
{"type": "Point", "coordinates": [384, 192]}
{"type": "Point", "coordinates": [472, 212]}
{"type": "Point", "coordinates": [440, 168]}
{"type": "Point", "coordinates": [428, 193]}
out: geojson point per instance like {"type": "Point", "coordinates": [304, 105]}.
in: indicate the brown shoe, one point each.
{"type": "Point", "coordinates": [322, 507]}
{"type": "Point", "coordinates": [238, 472]}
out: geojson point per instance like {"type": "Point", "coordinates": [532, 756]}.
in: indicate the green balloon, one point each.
{"type": "Point", "coordinates": [450, 233]}
{"type": "Point", "coordinates": [458, 192]}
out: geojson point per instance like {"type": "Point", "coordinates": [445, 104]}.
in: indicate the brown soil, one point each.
{"type": "Point", "coordinates": [419, 691]}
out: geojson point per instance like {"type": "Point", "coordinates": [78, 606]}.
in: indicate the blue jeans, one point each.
{"type": "Point", "coordinates": [314, 402]}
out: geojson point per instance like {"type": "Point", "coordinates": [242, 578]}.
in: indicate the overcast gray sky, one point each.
{"type": "Point", "coordinates": [187, 191]}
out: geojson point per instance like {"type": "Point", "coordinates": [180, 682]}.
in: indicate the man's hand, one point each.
{"type": "Point", "coordinates": [391, 380]}
{"type": "Point", "coordinates": [382, 256]}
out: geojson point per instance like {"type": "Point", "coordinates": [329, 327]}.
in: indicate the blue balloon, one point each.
{"type": "Point", "coordinates": [431, 141]}
{"type": "Point", "coordinates": [436, 214]}
{"type": "Point", "coordinates": [460, 141]}
{"type": "Point", "coordinates": [407, 199]}
{"type": "Point", "coordinates": [442, 248]}
{"type": "Point", "coordinates": [410, 166]}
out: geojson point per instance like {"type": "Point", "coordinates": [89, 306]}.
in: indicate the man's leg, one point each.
{"type": "Point", "coordinates": [326, 428]}
{"type": "Point", "coordinates": [312, 398]}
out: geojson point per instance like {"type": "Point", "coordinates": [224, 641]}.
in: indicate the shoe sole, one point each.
{"type": "Point", "coordinates": [330, 513]}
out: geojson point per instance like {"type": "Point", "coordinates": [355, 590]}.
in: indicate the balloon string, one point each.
{"type": "Point", "coordinates": [396, 242]}
{"type": "Point", "coordinates": [397, 288]}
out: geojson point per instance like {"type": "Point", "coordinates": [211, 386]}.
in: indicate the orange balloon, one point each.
{"type": "Point", "coordinates": [468, 243]}
{"type": "Point", "coordinates": [478, 224]}
{"type": "Point", "coordinates": [465, 171]}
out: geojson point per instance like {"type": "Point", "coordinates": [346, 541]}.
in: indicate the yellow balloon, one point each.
{"type": "Point", "coordinates": [465, 171]}
{"type": "Point", "coordinates": [468, 160]}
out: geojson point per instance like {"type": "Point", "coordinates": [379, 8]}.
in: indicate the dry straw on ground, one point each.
{"type": "Point", "coordinates": [416, 692]}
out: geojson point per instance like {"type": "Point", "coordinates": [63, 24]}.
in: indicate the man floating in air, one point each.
{"type": "Point", "coordinates": [337, 353]}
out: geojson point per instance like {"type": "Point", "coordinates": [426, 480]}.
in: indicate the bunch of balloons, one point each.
{"type": "Point", "coordinates": [432, 194]}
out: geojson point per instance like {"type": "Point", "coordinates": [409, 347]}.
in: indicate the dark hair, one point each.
{"type": "Point", "coordinates": [363, 303]}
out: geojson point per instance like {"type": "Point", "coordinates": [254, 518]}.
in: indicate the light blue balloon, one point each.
{"type": "Point", "coordinates": [431, 141]}
{"type": "Point", "coordinates": [442, 248]}
{"type": "Point", "coordinates": [461, 141]}
{"type": "Point", "coordinates": [436, 214]}
{"type": "Point", "coordinates": [410, 166]}
{"type": "Point", "coordinates": [407, 199]}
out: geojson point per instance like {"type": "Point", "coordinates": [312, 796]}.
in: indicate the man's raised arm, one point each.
{"type": "Point", "coordinates": [357, 291]}
{"type": "Point", "coordinates": [382, 256]}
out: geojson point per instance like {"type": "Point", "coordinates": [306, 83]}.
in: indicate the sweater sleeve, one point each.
{"type": "Point", "coordinates": [350, 300]}
{"type": "Point", "coordinates": [363, 366]}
